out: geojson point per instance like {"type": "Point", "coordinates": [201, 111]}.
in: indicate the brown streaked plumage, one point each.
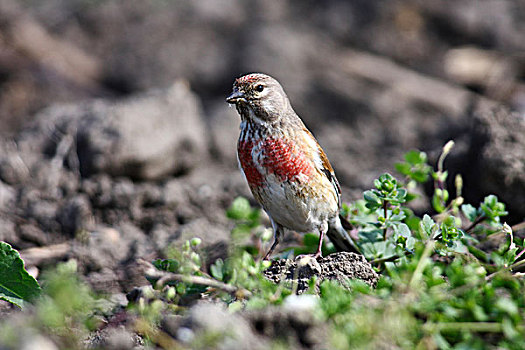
{"type": "Point", "coordinates": [287, 171]}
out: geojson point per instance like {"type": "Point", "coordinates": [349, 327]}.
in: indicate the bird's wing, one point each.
{"type": "Point", "coordinates": [329, 172]}
{"type": "Point", "coordinates": [323, 164]}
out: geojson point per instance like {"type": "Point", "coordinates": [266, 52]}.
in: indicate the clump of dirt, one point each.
{"type": "Point", "coordinates": [341, 267]}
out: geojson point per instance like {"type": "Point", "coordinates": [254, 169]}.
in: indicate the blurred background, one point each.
{"type": "Point", "coordinates": [114, 129]}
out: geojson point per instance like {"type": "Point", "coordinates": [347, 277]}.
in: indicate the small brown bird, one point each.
{"type": "Point", "coordinates": [286, 169]}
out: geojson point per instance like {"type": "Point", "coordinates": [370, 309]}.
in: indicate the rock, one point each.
{"type": "Point", "coordinates": [497, 159]}
{"type": "Point", "coordinates": [145, 137]}
{"type": "Point", "coordinates": [44, 211]}
{"type": "Point", "coordinates": [114, 338]}
{"type": "Point", "coordinates": [7, 195]}
{"type": "Point", "coordinates": [33, 233]}
{"type": "Point", "coordinates": [106, 280]}
{"type": "Point", "coordinates": [118, 338]}
{"type": "Point", "coordinates": [298, 328]}
{"type": "Point", "coordinates": [223, 124]}
{"type": "Point", "coordinates": [8, 231]}
{"type": "Point", "coordinates": [337, 266]}
{"type": "Point", "coordinates": [207, 318]}
{"type": "Point", "coordinates": [13, 170]}
{"type": "Point", "coordinates": [75, 214]}
{"type": "Point", "coordinates": [203, 228]}
{"type": "Point", "coordinates": [37, 342]}
{"type": "Point", "coordinates": [105, 247]}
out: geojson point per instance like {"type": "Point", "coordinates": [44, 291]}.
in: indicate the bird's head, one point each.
{"type": "Point", "coordinates": [259, 97]}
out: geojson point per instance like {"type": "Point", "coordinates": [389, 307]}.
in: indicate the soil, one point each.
{"type": "Point", "coordinates": [121, 142]}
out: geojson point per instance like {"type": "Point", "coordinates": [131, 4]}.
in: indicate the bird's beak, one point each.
{"type": "Point", "coordinates": [235, 97]}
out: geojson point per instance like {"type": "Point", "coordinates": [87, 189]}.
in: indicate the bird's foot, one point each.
{"type": "Point", "coordinates": [309, 256]}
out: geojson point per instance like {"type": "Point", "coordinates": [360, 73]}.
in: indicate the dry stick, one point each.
{"type": "Point", "coordinates": [36, 256]}
{"type": "Point", "coordinates": [165, 277]}
{"type": "Point", "coordinates": [476, 222]}
{"type": "Point", "coordinates": [508, 268]}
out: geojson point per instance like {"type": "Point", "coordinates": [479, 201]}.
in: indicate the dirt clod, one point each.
{"type": "Point", "coordinates": [340, 267]}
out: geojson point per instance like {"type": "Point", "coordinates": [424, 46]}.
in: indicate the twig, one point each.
{"type": "Point", "coordinates": [476, 222]}
{"type": "Point", "coordinates": [519, 254]}
{"type": "Point", "coordinates": [508, 268]}
{"type": "Point", "coordinates": [39, 255]}
{"type": "Point", "coordinates": [165, 277]}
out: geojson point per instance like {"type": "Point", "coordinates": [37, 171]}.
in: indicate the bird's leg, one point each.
{"type": "Point", "coordinates": [322, 231]}
{"type": "Point", "coordinates": [277, 234]}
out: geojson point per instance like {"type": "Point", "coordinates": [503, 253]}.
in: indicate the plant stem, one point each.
{"type": "Point", "coordinates": [476, 222]}
{"type": "Point", "coordinates": [388, 259]}
{"type": "Point", "coordinates": [385, 210]}
{"type": "Point", "coordinates": [422, 263]}
{"type": "Point", "coordinates": [508, 268]}
{"type": "Point", "coordinates": [485, 327]}
{"type": "Point", "coordinates": [519, 254]}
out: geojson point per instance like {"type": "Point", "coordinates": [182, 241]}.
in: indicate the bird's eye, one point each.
{"type": "Point", "coordinates": [259, 88]}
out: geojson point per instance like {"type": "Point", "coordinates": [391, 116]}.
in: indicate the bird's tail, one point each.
{"type": "Point", "coordinates": [340, 237]}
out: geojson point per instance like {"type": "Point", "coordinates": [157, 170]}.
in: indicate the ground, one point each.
{"type": "Point", "coordinates": [121, 142]}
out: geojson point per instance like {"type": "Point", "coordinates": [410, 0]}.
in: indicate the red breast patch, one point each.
{"type": "Point", "coordinates": [285, 159]}
{"type": "Point", "coordinates": [279, 157]}
{"type": "Point", "coordinates": [252, 174]}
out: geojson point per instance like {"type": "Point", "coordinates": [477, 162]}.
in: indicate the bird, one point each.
{"type": "Point", "coordinates": [286, 169]}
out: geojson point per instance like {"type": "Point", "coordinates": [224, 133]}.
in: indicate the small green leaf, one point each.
{"type": "Point", "coordinates": [372, 200]}
{"type": "Point", "coordinates": [469, 211]}
{"type": "Point", "coordinates": [437, 204]}
{"type": "Point", "coordinates": [217, 269]}
{"type": "Point", "coordinates": [492, 209]}
{"type": "Point", "coordinates": [403, 168]}
{"type": "Point", "coordinates": [402, 230]}
{"type": "Point", "coordinates": [416, 157]}
{"type": "Point", "coordinates": [169, 265]}
{"type": "Point", "coordinates": [507, 305]}
{"type": "Point", "coordinates": [195, 242]}
{"type": "Point", "coordinates": [401, 195]}
{"type": "Point", "coordinates": [428, 225]}
{"type": "Point", "coordinates": [16, 284]}
{"type": "Point", "coordinates": [240, 209]}
{"type": "Point", "coordinates": [420, 175]}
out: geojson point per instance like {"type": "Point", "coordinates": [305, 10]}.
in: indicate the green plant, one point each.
{"type": "Point", "coordinates": [450, 278]}
{"type": "Point", "coordinates": [17, 286]}
{"type": "Point", "coordinates": [238, 280]}
{"type": "Point", "coordinates": [65, 308]}
{"type": "Point", "coordinates": [440, 286]}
